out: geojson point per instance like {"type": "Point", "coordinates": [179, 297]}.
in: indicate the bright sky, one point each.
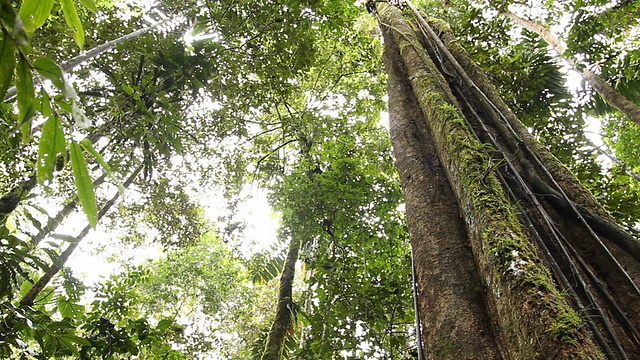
{"type": "Point", "coordinates": [90, 262]}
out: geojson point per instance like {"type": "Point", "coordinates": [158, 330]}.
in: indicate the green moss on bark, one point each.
{"type": "Point", "coordinates": [534, 318]}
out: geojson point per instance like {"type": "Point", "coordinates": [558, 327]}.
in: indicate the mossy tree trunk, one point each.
{"type": "Point", "coordinates": [283, 321]}
{"type": "Point", "coordinates": [540, 266]}
{"type": "Point", "coordinates": [451, 302]}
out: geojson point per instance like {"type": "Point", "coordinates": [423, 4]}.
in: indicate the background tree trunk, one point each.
{"type": "Point", "coordinates": [283, 320]}
{"type": "Point", "coordinates": [93, 53]}
{"type": "Point", "coordinates": [611, 95]}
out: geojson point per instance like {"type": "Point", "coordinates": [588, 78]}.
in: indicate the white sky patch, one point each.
{"type": "Point", "coordinates": [262, 222]}
{"type": "Point", "coordinates": [190, 38]}
{"type": "Point", "coordinates": [384, 119]}
{"type": "Point", "coordinates": [91, 262]}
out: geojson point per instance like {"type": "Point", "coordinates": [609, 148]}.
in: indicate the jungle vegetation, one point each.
{"type": "Point", "coordinates": [451, 179]}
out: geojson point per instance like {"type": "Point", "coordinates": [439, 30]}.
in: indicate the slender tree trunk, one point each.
{"type": "Point", "coordinates": [611, 95]}
{"type": "Point", "coordinates": [603, 151]}
{"type": "Point", "coordinates": [10, 201]}
{"type": "Point", "coordinates": [28, 299]}
{"type": "Point", "coordinates": [555, 279]}
{"type": "Point", "coordinates": [54, 222]}
{"type": "Point", "coordinates": [283, 320]}
{"type": "Point", "coordinates": [95, 52]}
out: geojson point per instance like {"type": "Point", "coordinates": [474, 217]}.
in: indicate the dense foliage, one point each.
{"type": "Point", "coordinates": [232, 96]}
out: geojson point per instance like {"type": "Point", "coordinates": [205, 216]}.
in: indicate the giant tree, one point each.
{"type": "Point", "coordinates": [537, 248]}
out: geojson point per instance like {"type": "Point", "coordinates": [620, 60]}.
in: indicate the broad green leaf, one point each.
{"type": "Point", "coordinates": [86, 145]}
{"type": "Point", "coordinates": [34, 13]}
{"type": "Point", "coordinates": [45, 104]}
{"type": "Point", "coordinates": [83, 183]}
{"type": "Point", "coordinates": [128, 89]}
{"type": "Point", "coordinates": [73, 21]}
{"type": "Point", "coordinates": [65, 307]}
{"type": "Point", "coordinates": [67, 238]}
{"type": "Point", "coordinates": [164, 324]}
{"type": "Point", "coordinates": [26, 98]}
{"type": "Point", "coordinates": [50, 70]}
{"type": "Point", "coordinates": [89, 4]}
{"type": "Point", "coordinates": [76, 339]}
{"type": "Point", "coordinates": [7, 63]}
{"type": "Point", "coordinates": [12, 19]}
{"type": "Point", "coordinates": [51, 144]}
{"type": "Point", "coordinates": [64, 105]}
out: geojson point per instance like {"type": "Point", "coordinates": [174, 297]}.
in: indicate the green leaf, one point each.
{"type": "Point", "coordinates": [70, 346]}
{"type": "Point", "coordinates": [73, 21]}
{"type": "Point", "coordinates": [67, 238]}
{"type": "Point", "coordinates": [76, 339]}
{"type": "Point", "coordinates": [89, 4]}
{"type": "Point", "coordinates": [86, 145]}
{"type": "Point", "coordinates": [26, 98]}
{"type": "Point", "coordinates": [65, 307]}
{"type": "Point", "coordinates": [12, 19]}
{"type": "Point", "coordinates": [45, 104]}
{"type": "Point", "coordinates": [128, 89]}
{"type": "Point", "coordinates": [50, 70]}
{"type": "Point", "coordinates": [49, 345]}
{"type": "Point", "coordinates": [83, 183]}
{"type": "Point", "coordinates": [7, 63]}
{"type": "Point", "coordinates": [51, 144]}
{"type": "Point", "coordinates": [34, 13]}
{"type": "Point", "coordinates": [164, 324]}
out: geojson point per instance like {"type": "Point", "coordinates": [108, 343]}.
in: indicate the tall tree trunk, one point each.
{"type": "Point", "coordinates": [283, 320]}
{"type": "Point", "coordinates": [594, 254]}
{"type": "Point", "coordinates": [555, 283]}
{"type": "Point", "coordinates": [611, 95]}
{"type": "Point", "coordinates": [451, 302]}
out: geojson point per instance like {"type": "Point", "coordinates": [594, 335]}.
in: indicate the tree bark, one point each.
{"type": "Point", "coordinates": [453, 314]}
{"type": "Point", "coordinates": [285, 309]}
{"type": "Point", "coordinates": [532, 317]}
{"type": "Point", "coordinates": [593, 249]}
{"type": "Point", "coordinates": [611, 95]}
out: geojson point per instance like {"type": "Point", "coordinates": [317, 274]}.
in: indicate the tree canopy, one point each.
{"type": "Point", "coordinates": [130, 118]}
